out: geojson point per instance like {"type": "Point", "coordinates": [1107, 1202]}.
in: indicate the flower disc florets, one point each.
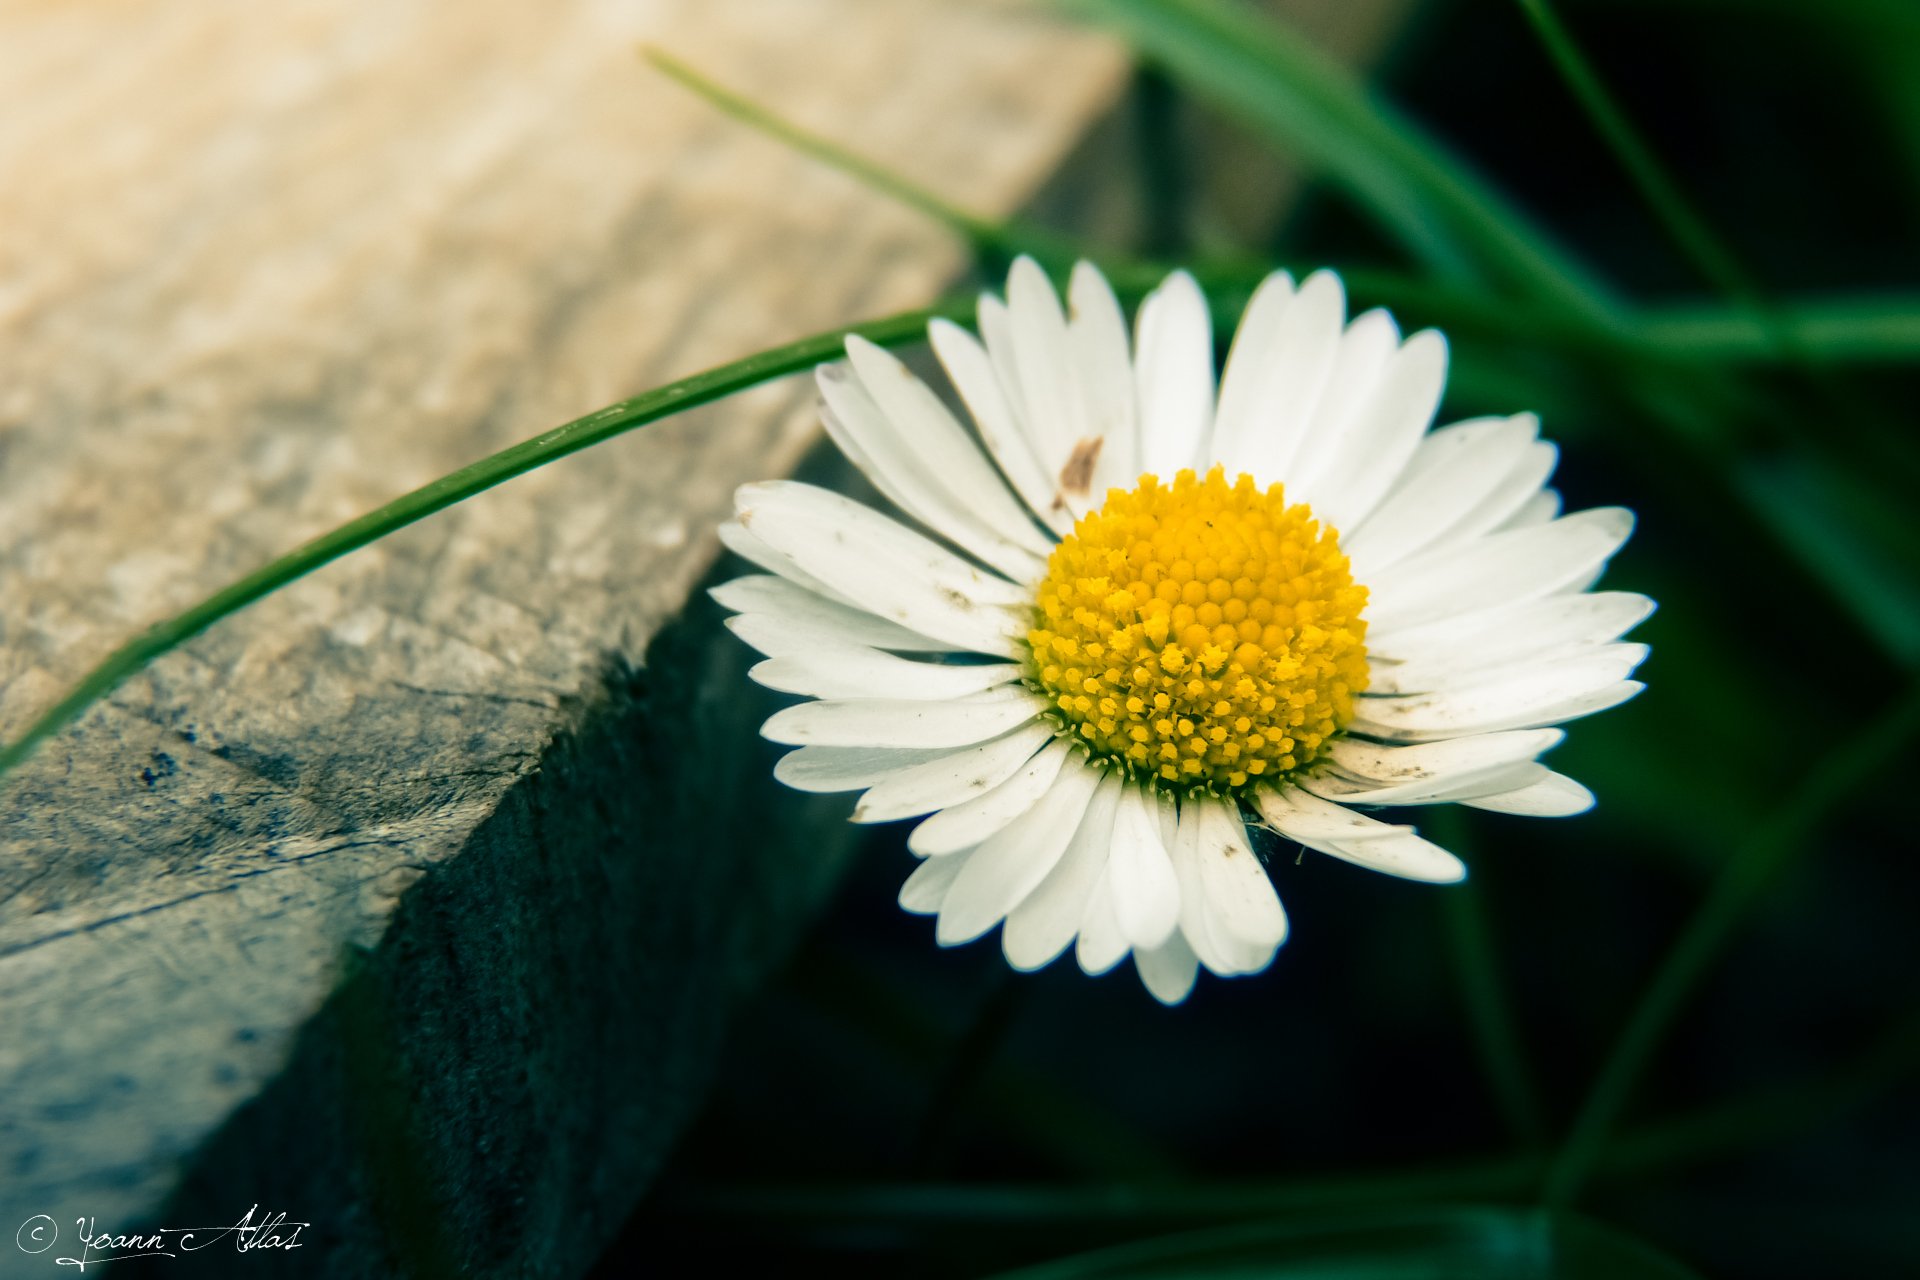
{"type": "Point", "coordinates": [1203, 636]}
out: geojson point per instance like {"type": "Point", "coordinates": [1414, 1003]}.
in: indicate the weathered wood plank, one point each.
{"type": "Point", "coordinates": [265, 267]}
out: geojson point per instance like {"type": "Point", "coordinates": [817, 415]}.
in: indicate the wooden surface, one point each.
{"type": "Point", "coordinates": [410, 901]}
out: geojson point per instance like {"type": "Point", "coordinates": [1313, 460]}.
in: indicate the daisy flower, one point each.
{"type": "Point", "coordinates": [1140, 618]}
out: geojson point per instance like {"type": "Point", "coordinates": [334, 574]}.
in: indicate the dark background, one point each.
{"type": "Point", "coordinates": [891, 1108]}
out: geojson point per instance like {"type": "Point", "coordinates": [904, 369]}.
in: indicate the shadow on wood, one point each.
{"type": "Point", "coordinates": [509, 1064]}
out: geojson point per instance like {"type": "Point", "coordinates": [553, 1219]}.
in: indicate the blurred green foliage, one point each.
{"type": "Point", "coordinates": [1443, 1244]}
{"type": "Point", "coordinates": [1685, 234]}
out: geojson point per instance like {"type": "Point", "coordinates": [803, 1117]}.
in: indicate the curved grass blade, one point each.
{"type": "Point", "coordinates": [820, 148]}
{"type": "Point", "coordinates": [1867, 428]}
{"type": "Point", "coordinates": [1867, 330]}
{"type": "Point", "coordinates": [1738, 888]}
{"type": "Point", "coordinates": [1860, 537]}
{"type": "Point", "coordinates": [1687, 228]}
{"type": "Point", "coordinates": [1882, 329]}
{"type": "Point", "coordinates": [437, 495]}
{"type": "Point", "coordinates": [1221, 278]}
{"type": "Point", "coordinates": [1432, 201]}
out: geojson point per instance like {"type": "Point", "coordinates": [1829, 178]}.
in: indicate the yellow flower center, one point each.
{"type": "Point", "coordinates": [1203, 636]}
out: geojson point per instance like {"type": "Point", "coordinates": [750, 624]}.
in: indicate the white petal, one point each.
{"type": "Point", "coordinates": [848, 768]}
{"type": "Point", "coordinates": [1384, 433]}
{"type": "Point", "coordinates": [853, 671]}
{"type": "Point", "coordinates": [996, 332]}
{"type": "Point", "coordinates": [974, 377]}
{"type": "Point", "coordinates": [885, 567]}
{"type": "Point", "coordinates": [965, 825]}
{"type": "Point", "coordinates": [1538, 509]}
{"type": "Point", "coordinates": [1505, 567]}
{"type": "Point", "coordinates": [1456, 788]}
{"type": "Point", "coordinates": [1454, 468]}
{"type": "Point", "coordinates": [1369, 343]}
{"type": "Point", "coordinates": [1530, 698]}
{"type": "Point", "coordinates": [1583, 582]}
{"type": "Point", "coordinates": [775, 636]}
{"type": "Point", "coordinates": [1097, 334]}
{"type": "Point", "coordinates": [1217, 947]}
{"type": "Point", "coordinates": [777, 512]}
{"type": "Point", "coordinates": [1173, 369]}
{"type": "Point", "coordinates": [1438, 653]}
{"type": "Point", "coordinates": [777, 616]}
{"type": "Point", "coordinates": [952, 778]}
{"type": "Point", "coordinates": [1313, 821]}
{"type": "Point", "coordinates": [1055, 418]}
{"type": "Point", "coordinates": [1240, 896]}
{"type": "Point", "coordinates": [927, 887]}
{"type": "Point", "coordinates": [1101, 944]}
{"type": "Point", "coordinates": [1256, 343]}
{"type": "Point", "coordinates": [1011, 863]}
{"type": "Point", "coordinates": [1554, 796]}
{"type": "Point", "coordinates": [937, 445]}
{"type": "Point", "coordinates": [1140, 877]}
{"type": "Point", "coordinates": [1269, 424]}
{"type": "Point", "coordinates": [1462, 669]}
{"type": "Point", "coordinates": [1043, 926]}
{"type": "Point", "coordinates": [735, 538]}
{"type": "Point", "coordinates": [899, 722]}
{"type": "Point", "coordinates": [1331, 829]}
{"type": "Point", "coordinates": [1436, 761]}
{"type": "Point", "coordinates": [1403, 854]}
{"type": "Point", "coordinates": [1168, 970]}
{"type": "Point", "coordinates": [1520, 486]}
{"type": "Point", "coordinates": [1168, 812]}
{"type": "Point", "coordinates": [897, 432]}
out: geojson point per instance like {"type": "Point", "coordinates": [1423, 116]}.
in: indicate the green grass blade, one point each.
{"type": "Point", "coordinates": [457, 486]}
{"type": "Point", "coordinates": [1735, 892]}
{"type": "Point", "coordinates": [1224, 52]}
{"type": "Point", "coordinates": [1848, 329]}
{"type": "Point", "coordinates": [825, 150]}
{"type": "Point", "coordinates": [1871, 330]}
{"type": "Point", "coordinates": [1852, 413]}
{"type": "Point", "coordinates": [1687, 228]}
{"type": "Point", "coordinates": [1859, 537]}
{"type": "Point", "coordinates": [988, 237]}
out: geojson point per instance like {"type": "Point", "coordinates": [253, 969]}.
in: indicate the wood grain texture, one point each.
{"type": "Point", "coordinates": [421, 887]}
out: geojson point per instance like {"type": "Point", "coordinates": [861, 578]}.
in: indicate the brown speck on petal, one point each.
{"type": "Point", "coordinates": [1077, 476]}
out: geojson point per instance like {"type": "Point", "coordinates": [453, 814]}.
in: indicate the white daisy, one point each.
{"type": "Point", "coordinates": [1145, 619]}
